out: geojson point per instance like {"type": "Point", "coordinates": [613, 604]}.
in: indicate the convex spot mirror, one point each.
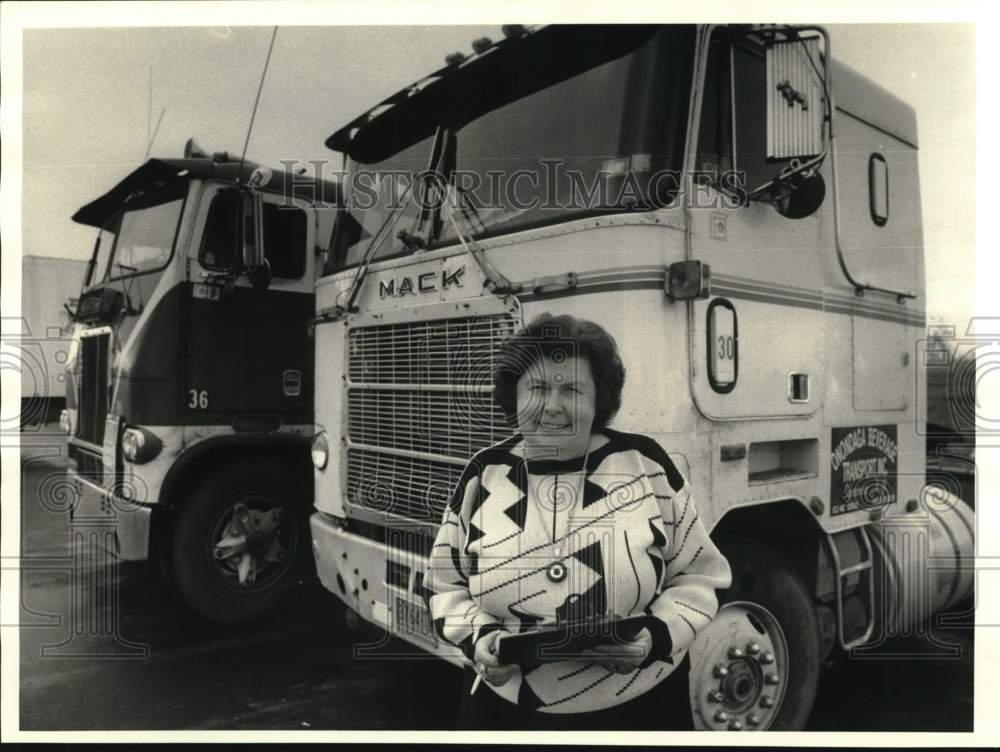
{"type": "Point", "coordinates": [799, 197]}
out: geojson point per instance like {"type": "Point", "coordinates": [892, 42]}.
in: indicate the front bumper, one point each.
{"type": "Point", "coordinates": [381, 583]}
{"type": "Point", "coordinates": [96, 507]}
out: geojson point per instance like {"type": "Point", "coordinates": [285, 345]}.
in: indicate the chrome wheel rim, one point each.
{"type": "Point", "coordinates": [250, 543]}
{"type": "Point", "coordinates": [739, 670]}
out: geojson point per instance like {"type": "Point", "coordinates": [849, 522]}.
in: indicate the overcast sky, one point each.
{"type": "Point", "coordinates": [87, 112]}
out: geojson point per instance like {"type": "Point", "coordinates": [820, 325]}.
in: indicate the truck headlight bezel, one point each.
{"type": "Point", "coordinates": [140, 445]}
{"type": "Point", "coordinates": [320, 450]}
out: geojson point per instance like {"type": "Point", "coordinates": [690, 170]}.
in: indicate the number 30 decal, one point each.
{"type": "Point", "coordinates": [723, 346]}
{"type": "Point", "coordinates": [199, 398]}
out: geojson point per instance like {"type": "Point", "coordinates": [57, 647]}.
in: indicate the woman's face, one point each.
{"type": "Point", "coordinates": [556, 402]}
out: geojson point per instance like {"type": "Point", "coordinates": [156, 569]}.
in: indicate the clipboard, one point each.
{"type": "Point", "coordinates": [567, 641]}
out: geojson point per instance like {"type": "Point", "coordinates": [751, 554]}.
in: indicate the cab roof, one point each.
{"type": "Point", "coordinates": [498, 74]}
{"type": "Point", "coordinates": [859, 96]}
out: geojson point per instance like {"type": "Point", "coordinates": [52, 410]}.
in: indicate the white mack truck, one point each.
{"type": "Point", "coordinates": [742, 213]}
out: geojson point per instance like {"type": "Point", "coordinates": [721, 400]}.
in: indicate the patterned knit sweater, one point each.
{"type": "Point", "coordinates": [629, 540]}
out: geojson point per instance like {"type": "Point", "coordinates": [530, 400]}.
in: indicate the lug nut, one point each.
{"type": "Point", "coordinates": [715, 696]}
{"type": "Point", "coordinates": [721, 716]}
{"type": "Point", "coordinates": [767, 658]}
{"type": "Point", "coordinates": [771, 679]}
{"type": "Point", "coordinates": [766, 702]}
{"type": "Point", "coordinates": [735, 653]}
{"type": "Point", "coordinates": [720, 671]}
{"type": "Point", "coordinates": [753, 648]}
{"type": "Point", "coordinates": [735, 725]}
{"type": "Point", "coordinates": [753, 719]}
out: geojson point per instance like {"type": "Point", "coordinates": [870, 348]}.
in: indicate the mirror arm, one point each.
{"type": "Point", "coordinates": [794, 169]}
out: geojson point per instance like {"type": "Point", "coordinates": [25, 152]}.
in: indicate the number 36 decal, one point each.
{"type": "Point", "coordinates": [198, 398]}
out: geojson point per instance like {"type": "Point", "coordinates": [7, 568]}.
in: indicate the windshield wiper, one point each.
{"type": "Point", "coordinates": [380, 237]}
{"type": "Point", "coordinates": [495, 282]}
{"type": "Point", "coordinates": [444, 144]}
{"type": "Point", "coordinates": [440, 164]}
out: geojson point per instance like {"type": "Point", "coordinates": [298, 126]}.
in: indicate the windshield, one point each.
{"type": "Point", "coordinates": [140, 239]}
{"type": "Point", "coordinates": [595, 141]}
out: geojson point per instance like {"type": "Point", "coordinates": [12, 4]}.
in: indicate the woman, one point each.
{"type": "Point", "coordinates": [565, 521]}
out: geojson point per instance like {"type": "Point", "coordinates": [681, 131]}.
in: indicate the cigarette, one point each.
{"type": "Point", "coordinates": [480, 673]}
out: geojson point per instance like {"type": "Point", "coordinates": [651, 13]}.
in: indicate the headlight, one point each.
{"type": "Point", "coordinates": [65, 422]}
{"type": "Point", "coordinates": [320, 450]}
{"type": "Point", "coordinates": [140, 445]}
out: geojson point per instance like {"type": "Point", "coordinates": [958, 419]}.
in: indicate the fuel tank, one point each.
{"type": "Point", "coordinates": [924, 561]}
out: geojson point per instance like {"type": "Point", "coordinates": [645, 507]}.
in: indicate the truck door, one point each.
{"type": "Point", "coordinates": [757, 344]}
{"type": "Point", "coordinates": [249, 354]}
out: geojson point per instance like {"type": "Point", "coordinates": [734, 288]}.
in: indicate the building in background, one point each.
{"type": "Point", "coordinates": [48, 284]}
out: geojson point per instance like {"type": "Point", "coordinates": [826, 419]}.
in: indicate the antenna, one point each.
{"type": "Point", "coordinates": [155, 130]}
{"type": "Point", "coordinates": [149, 107]}
{"type": "Point", "coordinates": [253, 115]}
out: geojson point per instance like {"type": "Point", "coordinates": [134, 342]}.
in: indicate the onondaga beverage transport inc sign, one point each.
{"type": "Point", "coordinates": [862, 468]}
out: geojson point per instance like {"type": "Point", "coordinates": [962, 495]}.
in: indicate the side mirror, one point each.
{"type": "Point", "coordinates": [799, 196]}
{"type": "Point", "coordinates": [254, 259]}
{"type": "Point", "coordinates": [796, 94]}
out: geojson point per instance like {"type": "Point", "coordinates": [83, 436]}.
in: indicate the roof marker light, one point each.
{"type": "Point", "coordinates": [455, 58]}
{"type": "Point", "coordinates": [479, 46]}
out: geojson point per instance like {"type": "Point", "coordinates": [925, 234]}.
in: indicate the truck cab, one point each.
{"type": "Point", "coordinates": [190, 377]}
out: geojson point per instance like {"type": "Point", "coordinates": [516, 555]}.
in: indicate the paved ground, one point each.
{"type": "Point", "coordinates": [298, 670]}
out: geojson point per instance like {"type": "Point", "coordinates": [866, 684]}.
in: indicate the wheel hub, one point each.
{"type": "Point", "coordinates": [257, 544]}
{"type": "Point", "coordinates": [739, 669]}
{"type": "Point", "coordinates": [249, 543]}
{"type": "Point", "coordinates": [741, 683]}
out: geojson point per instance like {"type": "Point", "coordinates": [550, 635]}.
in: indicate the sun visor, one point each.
{"type": "Point", "coordinates": [508, 71]}
{"type": "Point", "coordinates": [153, 175]}
{"type": "Point", "coordinates": [157, 174]}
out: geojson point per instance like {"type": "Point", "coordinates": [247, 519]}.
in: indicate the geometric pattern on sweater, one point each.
{"type": "Point", "coordinates": [630, 540]}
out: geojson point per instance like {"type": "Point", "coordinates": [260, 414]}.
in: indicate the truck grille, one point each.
{"type": "Point", "coordinates": [446, 423]}
{"type": "Point", "coordinates": [412, 488]}
{"type": "Point", "coordinates": [419, 405]}
{"type": "Point", "coordinates": [92, 407]}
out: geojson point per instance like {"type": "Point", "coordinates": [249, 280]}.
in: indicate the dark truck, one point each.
{"type": "Point", "coordinates": [190, 378]}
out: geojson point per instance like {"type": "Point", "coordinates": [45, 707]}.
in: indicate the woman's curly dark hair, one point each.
{"type": "Point", "coordinates": [558, 337]}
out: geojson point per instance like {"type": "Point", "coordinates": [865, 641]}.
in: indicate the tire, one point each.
{"type": "Point", "coordinates": [161, 561]}
{"type": "Point", "coordinates": [224, 574]}
{"type": "Point", "coordinates": [757, 665]}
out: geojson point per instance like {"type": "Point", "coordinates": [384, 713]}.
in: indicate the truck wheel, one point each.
{"type": "Point", "coordinates": [240, 538]}
{"type": "Point", "coordinates": [756, 666]}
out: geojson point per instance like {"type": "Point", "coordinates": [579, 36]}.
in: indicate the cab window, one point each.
{"type": "Point", "coordinates": [733, 133]}
{"type": "Point", "coordinates": [285, 236]}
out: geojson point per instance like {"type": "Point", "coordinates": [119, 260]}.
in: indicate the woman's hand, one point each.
{"type": "Point", "coordinates": [622, 657]}
{"type": "Point", "coordinates": [493, 672]}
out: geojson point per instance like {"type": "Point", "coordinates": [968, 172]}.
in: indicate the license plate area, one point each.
{"type": "Point", "coordinates": [413, 619]}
